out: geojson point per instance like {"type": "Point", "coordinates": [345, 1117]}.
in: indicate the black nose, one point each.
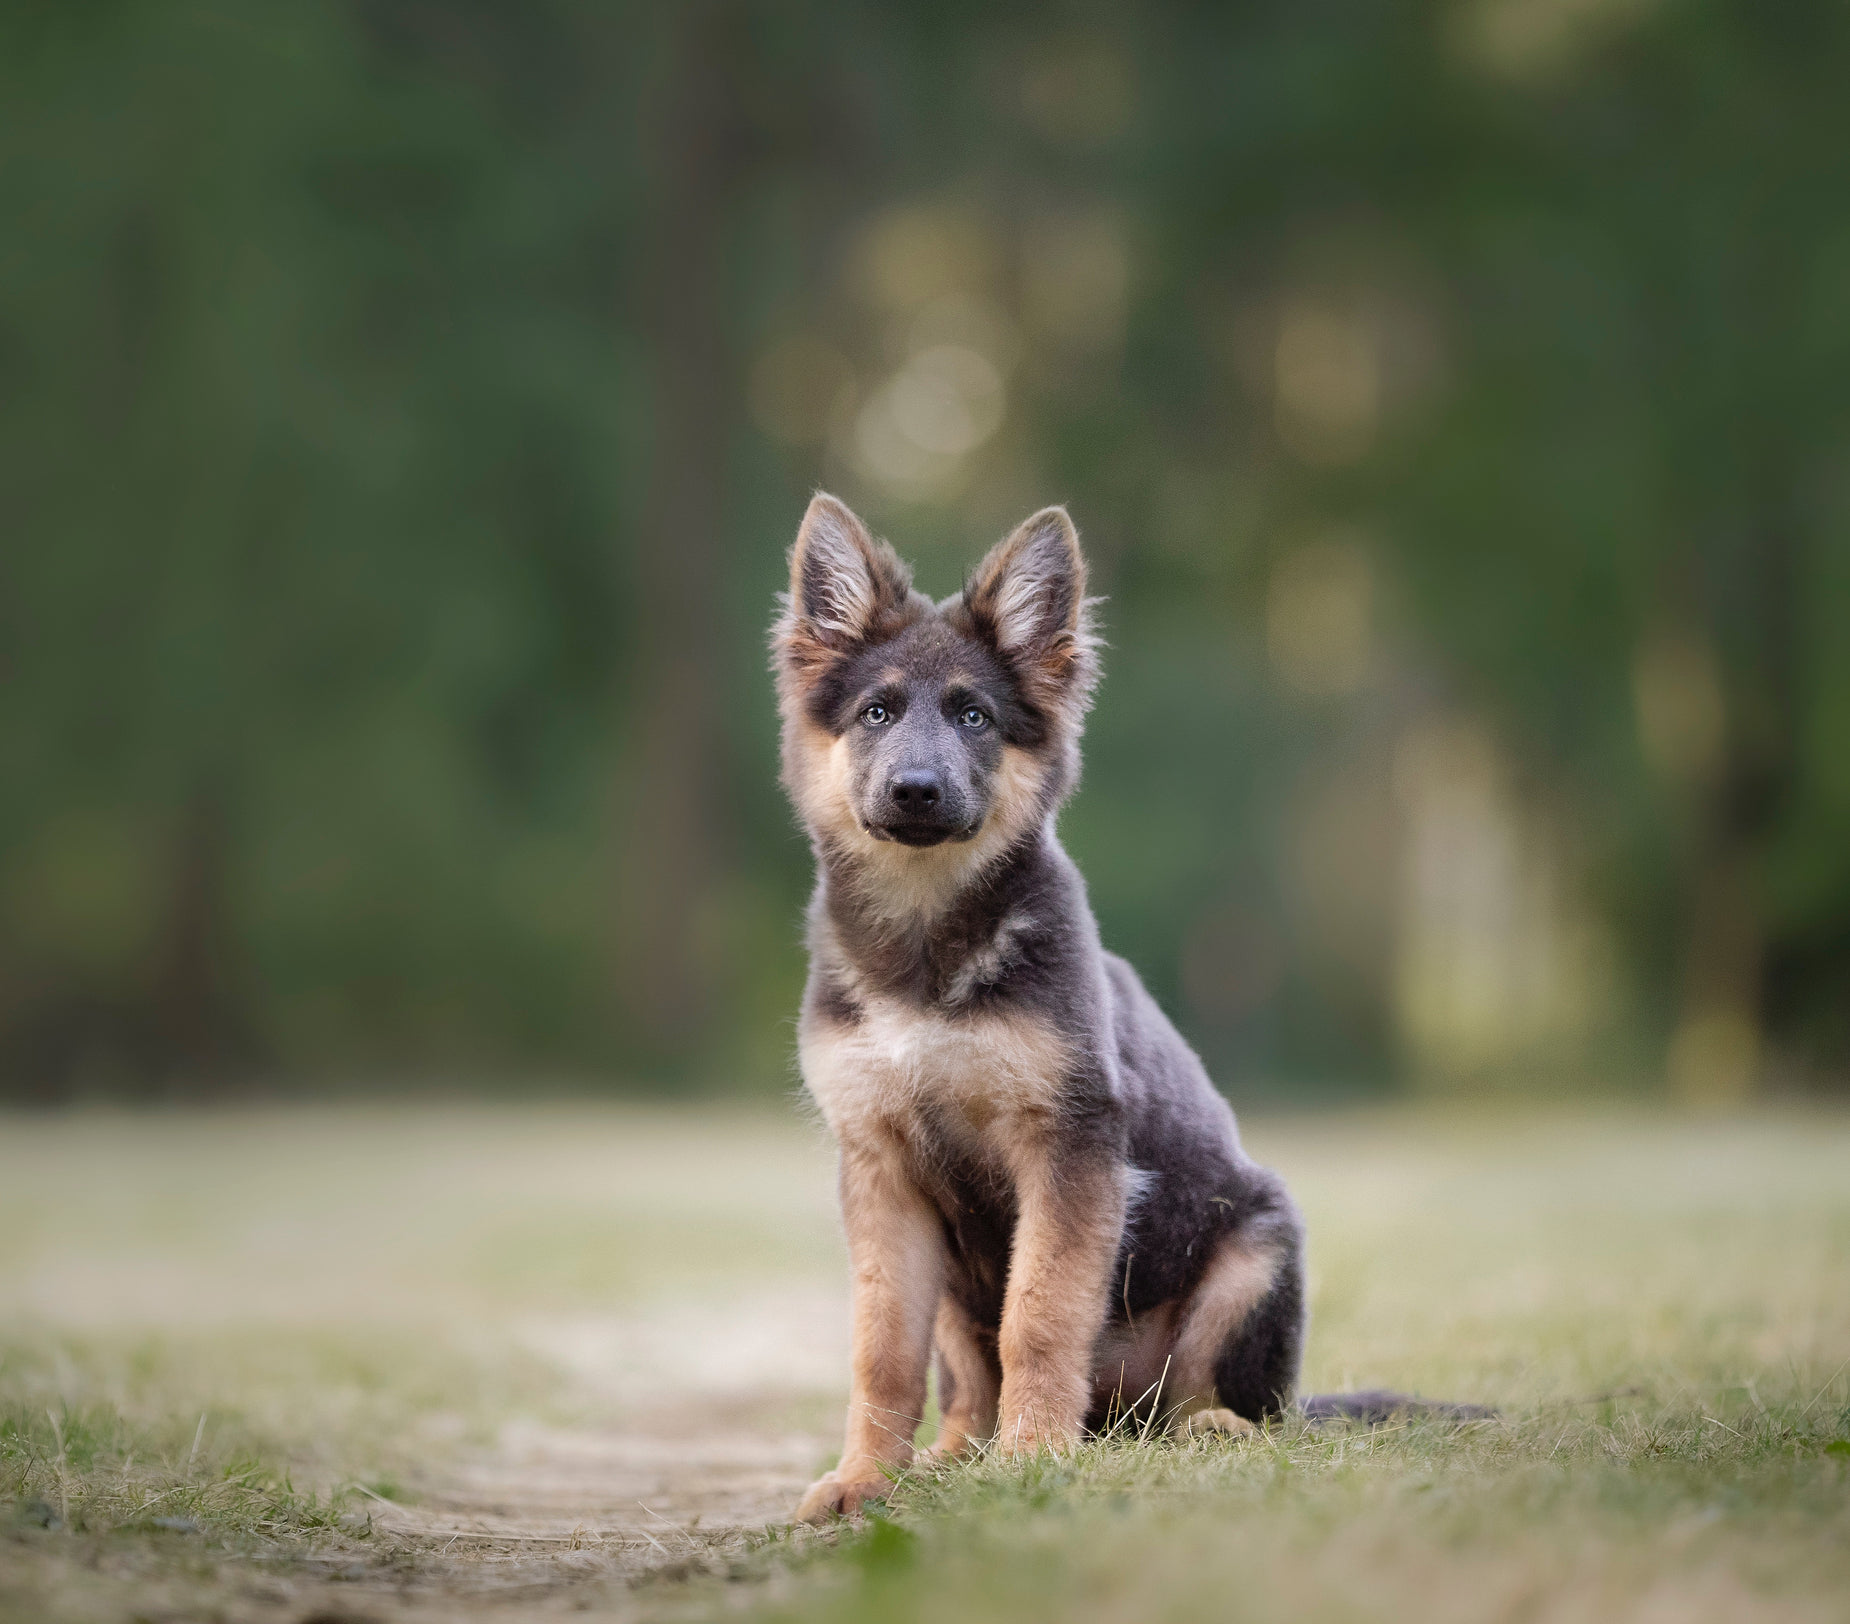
{"type": "Point", "coordinates": [916, 792]}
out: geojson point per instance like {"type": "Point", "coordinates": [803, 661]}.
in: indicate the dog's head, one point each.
{"type": "Point", "coordinates": [919, 728]}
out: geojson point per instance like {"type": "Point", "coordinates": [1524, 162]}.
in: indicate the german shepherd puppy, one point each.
{"type": "Point", "coordinates": [1038, 1181]}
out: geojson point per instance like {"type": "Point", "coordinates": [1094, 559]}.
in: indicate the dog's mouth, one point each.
{"type": "Point", "coordinates": [921, 834]}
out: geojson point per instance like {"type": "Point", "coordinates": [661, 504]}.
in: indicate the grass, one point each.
{"type": "Point", "coordinates": [410, 1332]}
{"type": "Point", "coordinates": [1632, 1508]}
{"type": "Point", "coordinates": [93, 1472]}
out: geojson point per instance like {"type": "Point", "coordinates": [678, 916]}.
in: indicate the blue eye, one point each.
{"type": "Point", "coordinates": [876, 716]}
{"type": "Point", "coordinates": [972, 718]}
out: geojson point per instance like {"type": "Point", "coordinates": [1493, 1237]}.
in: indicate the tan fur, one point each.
{"type": "Point", "coordinates": [1066, 1241]}
{"type": "Point", "coordinates": [1233, 1285]}
{"type": "Point", "coordinates": [993, 1075]}
{"type": "Point", "coordinates": [970, 1403]}
{"type": "Point", "coordinates": [816, 774]}
{"type": "Point", "coordinates": [896, 1260]}
{"type": "Point", "coordinates": [1224, 1422]}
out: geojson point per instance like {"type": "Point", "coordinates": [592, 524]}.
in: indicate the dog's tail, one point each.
{"type": "Point", "coordinates": [1376, 1407]}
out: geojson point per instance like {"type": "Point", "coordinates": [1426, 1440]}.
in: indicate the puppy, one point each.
{"type": "Point", "coordinates": [1038, 1181]}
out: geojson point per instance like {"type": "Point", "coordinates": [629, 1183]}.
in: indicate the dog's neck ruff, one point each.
{"type": "Point", "coordinates": [927, 927]}
{"type": "Point", "coordinates": [884, 889]}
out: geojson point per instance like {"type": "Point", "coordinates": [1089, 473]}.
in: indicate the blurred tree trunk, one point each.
{"type": "Point", "coordinates": [199, 1026]}
{"type": "Point", "coordinates": [672, 837]}
{"type": "Point", "coordinates": [1717, 1051]}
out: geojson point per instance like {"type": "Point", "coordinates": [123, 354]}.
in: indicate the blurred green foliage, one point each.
{"type": "Point", "coordinates": [404, 409]}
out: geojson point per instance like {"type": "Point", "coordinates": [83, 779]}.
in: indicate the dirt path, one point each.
{"type": "Point", "coordinates": [545, 1521]}
{"type": "Point", "coordinates": [565, 1521]}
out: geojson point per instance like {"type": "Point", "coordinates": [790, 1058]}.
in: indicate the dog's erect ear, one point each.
{"type": "Point", "coordinates": [846, 588]}
{"type": "Point", "coordinates": [1028, 600]}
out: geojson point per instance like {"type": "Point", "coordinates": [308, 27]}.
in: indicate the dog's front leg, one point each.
{"type": "Point", "coordinates": [1070, 1221]}
{"type": "Point", "coordinates": [896, 1257]}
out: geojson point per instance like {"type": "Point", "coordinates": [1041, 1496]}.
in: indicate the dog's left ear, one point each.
{"type": "Point", "coordinates": [1027, 599]}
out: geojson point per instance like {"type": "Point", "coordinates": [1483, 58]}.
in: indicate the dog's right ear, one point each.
{"type": "Point", "coordinates": [846, 588]}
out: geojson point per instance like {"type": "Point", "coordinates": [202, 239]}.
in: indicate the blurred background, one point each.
{"type": "Point", "coordinates": [405, 407]}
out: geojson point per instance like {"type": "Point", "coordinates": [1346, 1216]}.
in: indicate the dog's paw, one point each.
{"type": "Point", "coordinates": [831, 1496]}
{"type": "Point", "coordinates": [954, 1444]}
{"type": "Point", "coordinates": [1022, 1438]}
{"type": "Point", "coordinates": [1223, 1423]}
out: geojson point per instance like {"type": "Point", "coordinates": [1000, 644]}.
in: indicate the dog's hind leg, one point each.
{"type": "Point", "coordinates": [1222, 1314]}
{"type": "Point", "coordinates": [1237, 1351]}
{"type": "Point", "coordinates": [969, 1382]}
{"type": "Point", "coordinates": [1256, 1367]}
